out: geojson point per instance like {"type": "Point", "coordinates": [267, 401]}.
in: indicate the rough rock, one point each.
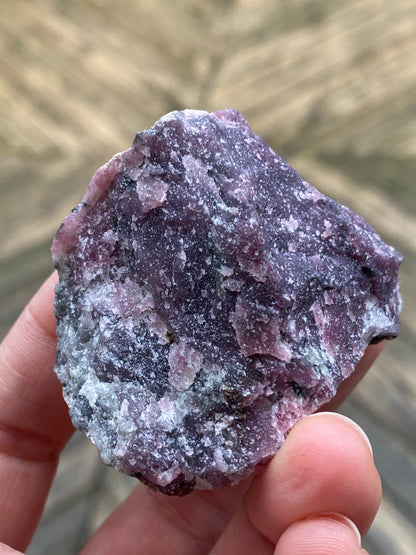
{"type": "Point", "coordinates": [208, 299]}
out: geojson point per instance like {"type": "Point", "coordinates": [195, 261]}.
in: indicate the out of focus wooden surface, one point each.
{"type": "Point", "coordinates": [330, 85]}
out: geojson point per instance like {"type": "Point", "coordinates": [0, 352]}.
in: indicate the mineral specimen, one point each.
{"type": "Point", "coordinates": [208, 299]}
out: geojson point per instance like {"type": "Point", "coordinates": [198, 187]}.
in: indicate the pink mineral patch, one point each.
{"type": "Point", "coordinates": [185, 362]}
{"type": "Point", "coordinates": [258, 334]}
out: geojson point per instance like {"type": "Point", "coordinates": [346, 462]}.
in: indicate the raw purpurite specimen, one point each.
{"type": "Point", "coordinates": [208, 299]}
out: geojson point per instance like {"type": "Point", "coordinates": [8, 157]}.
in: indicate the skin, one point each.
{"type": "Point", "coordinates": [302, 503]}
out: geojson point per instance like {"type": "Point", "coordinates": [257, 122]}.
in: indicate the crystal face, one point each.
{"type": "Point", "coordinates": [208, 298]}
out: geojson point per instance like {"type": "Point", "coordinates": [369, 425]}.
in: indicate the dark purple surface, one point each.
{"type": "Point", "coordinates": [208, 299]}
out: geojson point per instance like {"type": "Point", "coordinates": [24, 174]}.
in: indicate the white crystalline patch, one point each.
{"type": "Point", "coordinates": [128, 301]}
{"type": "Point", "coordinates": [116, 298]}
{"type": "Point", "coordinates": [323, 323]}
{"type": "Point", "coordinates": [126, 426]}
{"type": "Point", "coordinates": [328, 230]}
{"type": "Point", "coordinates": [291, 224]}
{"type": "Point", "coordinates": [224, 423]}
{"type": "Point", "coordinates": [319, 316]}
{"type": "Point", "coordinates": [182, 258]}
{"type": "Point", "coordinates": [375, 320]}
{"type": "Point", "coordinates": [93, 390]}
{"type": "Point", "coordinates": [152, 192]}
{"type": "Point", "coordinates": [226, 271]}
{"type": "Point", "coordinates": [169, 416]}
{"type": "Point", "coordinates": [319, 359]}
{"type": "Point", "coordinates": [241, 190]}
{"type": "Point", "coordinates": [251, 395]}
{"type": "Point", "coordinates": [219, 462]}
{"type": "Point", "coordinates": [173, 408]}
{"type": "Point", "coordinates": [166, 477]}
{"type": "Point", "coordinates": [233, 284]}
{"type": "Point", "coordinates": [158, 327]}
{"type": "Point", "coordinates": [310, 193]}
{"type": "Point", "coordinates": [185, 362]}
{"type": "Point", "coordinates": [126, 430]}
{"type": "Point", "coordinates": [329, 297]}
{"type": "Point", "coordinates": [196, 172]}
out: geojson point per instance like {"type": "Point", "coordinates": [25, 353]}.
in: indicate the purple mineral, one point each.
{"type": "Point", "coordinates": [208, 299]}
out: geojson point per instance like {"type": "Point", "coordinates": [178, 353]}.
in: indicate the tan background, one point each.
{"type": "Point", "coordinates": [330, 84]}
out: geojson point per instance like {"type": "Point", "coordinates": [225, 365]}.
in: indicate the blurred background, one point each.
{"type": "Point", "coordinates": [330, 85]}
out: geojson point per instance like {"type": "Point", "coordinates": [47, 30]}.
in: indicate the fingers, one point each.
{"type": "Point", "coordinates": [242, 537]}
{"type": "Point", "coordinates": [149, 522]}
{"type": "Point", "coordinates": [324, 466]}
{"type": "Point", "coordinates": [34, 421]}
{"type": "Point", "coordinates": [321, 535]}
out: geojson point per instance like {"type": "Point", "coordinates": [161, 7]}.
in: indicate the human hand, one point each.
{"type": "Point", "coordinates": [322, 480]}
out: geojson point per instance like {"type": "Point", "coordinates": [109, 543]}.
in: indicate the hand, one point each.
{"type": "Point", "coordinates": [321, 482]}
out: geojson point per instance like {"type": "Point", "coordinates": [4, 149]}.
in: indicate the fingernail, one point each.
{"type": "Point", "coordinates": [350, 422]}
{"type": "Point", "coordinates": [345, 520]}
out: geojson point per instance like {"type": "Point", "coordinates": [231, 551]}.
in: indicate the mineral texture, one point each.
{"type": "Point", "coordinates": [208, 299]}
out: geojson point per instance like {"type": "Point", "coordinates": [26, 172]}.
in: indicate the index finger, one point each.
{"type": "Point", "coordinates": [34, 420]}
